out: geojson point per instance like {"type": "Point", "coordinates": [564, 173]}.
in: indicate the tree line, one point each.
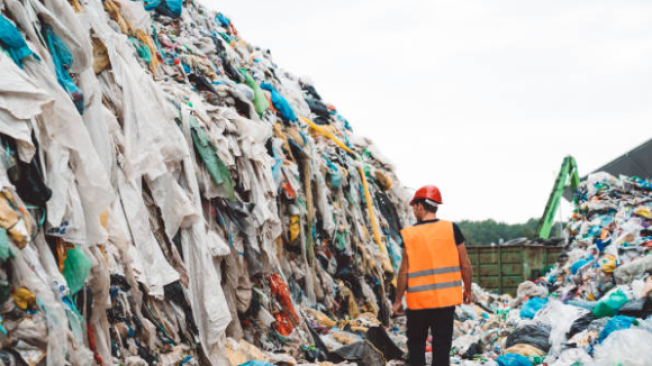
{"type": "Point", "coordinates": [489, 231]}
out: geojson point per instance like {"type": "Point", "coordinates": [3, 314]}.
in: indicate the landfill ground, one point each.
{"type": "Point", "coordinates": [171, 196]}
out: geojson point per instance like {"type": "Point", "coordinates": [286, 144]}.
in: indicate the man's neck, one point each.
{"type": "Point", "coordinates": [428, 217]}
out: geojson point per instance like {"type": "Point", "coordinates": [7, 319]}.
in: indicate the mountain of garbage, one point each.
{"type": "Point", "coordinates": [594, 308]}
{"type": "Point", "coordinates": [171, 196]}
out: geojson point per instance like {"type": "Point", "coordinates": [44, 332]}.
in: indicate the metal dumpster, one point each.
{"type": "Point", "coordinates": [502, 268]}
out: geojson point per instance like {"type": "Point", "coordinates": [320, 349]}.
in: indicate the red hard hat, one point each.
{"type": "Point", "coordinates": [429, 193]}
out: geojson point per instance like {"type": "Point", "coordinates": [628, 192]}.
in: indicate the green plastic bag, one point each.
{"type": "Point", "coordinates": [260, 102]}
{"type": "Point", "coordinates": [77, 266]}
{"type": "Point", "coordinates": [5, 251]}
{"type": "Point", "coordinates": [215, 166]}
{"type": "Point", "coordinates": [610, 305]}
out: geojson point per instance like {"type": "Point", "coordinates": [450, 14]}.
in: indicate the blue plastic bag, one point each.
{"type": "Point", "coordinates": [13, 42]}
{"type": "Point", "coordinates": [169, 8]}
{"type": "Point", "coordinates": [222, 20]}
{"type": "Point", "coordinates": [619, 322]}
{"type": "Point", "coordinates": [280, 102]}
{"type": "Point", "coordinates": [580, 263]}
{"type": "Point", "coordinates": [63, 61]}
{"type": "Point", "coordinates": [257, 363]}
{"type": "Point", "coordinates": [513, 359]}
{"type": "Point", "coordinates": [530, 309]}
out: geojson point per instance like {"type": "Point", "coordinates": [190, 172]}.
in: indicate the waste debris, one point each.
{"type": "Point", "coordinates": [172, 196]}
{"type": "Point", "coordinates": [594, 307]}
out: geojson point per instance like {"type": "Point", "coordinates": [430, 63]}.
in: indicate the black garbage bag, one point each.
{"type": "Point", "coordinates": [320, 347]}
{"type": "Point", "coordinates": [173, 293]}
{"type": "Point", "coordinates": [536, 335]}
{"type": "Point", "coordinates": [27, 177]}
{"type": "Point", "coordinates": [580, 324]}
{"type": "Point", "coordinates": [321, 121]}
{"type": "Point", "coordinates": [473, 350]}
{"type": "Point", "coordinates": [318, 108]}
{"type": "Point", "coordinates": [641, 308]}
{"type": "Point", "coordinates": [310, 90]}
{"type": "Point", "coordinates": [380, 339]}
{"type": "Point", "coordinates": [362, 353]}
{"type": "Point", "coordinates": [201, 83]}
{"type": "Point", "coordinates": [231, 71]}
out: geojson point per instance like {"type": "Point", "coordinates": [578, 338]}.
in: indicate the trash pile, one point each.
{"type": "Point", "coordinates": [593, 308]}
{"type": "Point", "coordinates": [171, 196]}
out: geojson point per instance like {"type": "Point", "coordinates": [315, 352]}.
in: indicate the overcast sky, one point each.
{"type": "Point", "coordinates": [482, 98]}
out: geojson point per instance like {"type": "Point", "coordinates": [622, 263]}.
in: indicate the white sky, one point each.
{"type": "Point", "coordinates": [482, 98]}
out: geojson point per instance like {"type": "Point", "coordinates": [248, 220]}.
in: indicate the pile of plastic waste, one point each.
{"type": "Point", "coordinates": [593, 308]}
{"type": "Point", "coordinates": [171, 196]}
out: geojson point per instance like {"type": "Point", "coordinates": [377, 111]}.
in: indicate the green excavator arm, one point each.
{"type": "Point", "coordinates": [568, 172]}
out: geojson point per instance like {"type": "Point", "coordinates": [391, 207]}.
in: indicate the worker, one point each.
{"type": "Point", "coordinates": [434, 267]}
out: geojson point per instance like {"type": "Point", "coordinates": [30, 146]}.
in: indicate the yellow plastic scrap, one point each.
{"type": "Point", "coordinates": [387, 266]}
{"type": "Point", "coordinates": [644, 212]}
{"type": "Point", "coordinates": [100, 56]}
{"type": "Point", "coordinates": [11, 220]}
{"type": "Point", "coordinates": [278, 131]}
{"type": "Point", "coordinates": [62, 252]}
{"type": "Point", "coordinates": [295, 228]}
{"type": "Point", "coordinates": [23, 298]}
{"type": "Point", "coordinates": [608, 263]}
{"type": "Point", "coordinates": [525, 350]}
{"type": "Point", "coordinates": [321, 318]}
{"type": "Point", "coordinates": [352, 306]}
{"type": "Point", "coordinates": [78, 8]}
{"type": "Point", "coordinates": [147, 40]}
{"type": "Point", "coordinates": [344, 338]}
{"type": "Point", "coordinates": [116, 14]}
{"type": "Point", "coordinates": [327, 133]}
{"type": "Point", "coordinates": [243, 351]}
{"type": "Point", "coordinates": [384, 179]}
{"type": "Point", "coordinates": [104, 219]}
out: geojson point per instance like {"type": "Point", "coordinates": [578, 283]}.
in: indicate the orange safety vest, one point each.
{"type": "Point", "coordinates": [434, 274]}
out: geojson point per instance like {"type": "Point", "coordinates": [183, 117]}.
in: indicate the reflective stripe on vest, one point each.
{"type": "Point", "coordinates": [434, 274]}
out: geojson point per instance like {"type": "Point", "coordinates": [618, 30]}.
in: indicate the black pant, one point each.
{"type": "Point", "coordinates": [441, 323]}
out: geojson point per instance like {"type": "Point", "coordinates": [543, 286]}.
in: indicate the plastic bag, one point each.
{"type": "Point", "coordinates": [528, 289]}
{"type": "Point", "coordinates": [571, 356]}
{"type": "Point", "coordinates": [170, 8]}
{"type": "Point", "coordinates": [615, 324]}
{"type": "Point", "coordinates": [629, 347]}
{"type": "Point", "coordinates": [580, 324]}
{"type": "Point", "coordinates": [379, 338]}
{"type": "Point", "coordinates": [77, 266]}
{"type": "Point", "coordinates": [580, 263]}
{"type": "Point", "coordinates": [525, 350]}
{"type": "Point", "coordinates": [530, 309]}
{"type": "Point", "coordinates": [513, 359]}
{"type": "Point", "coordinates": [609, 306]}
{"type": "Point", "coordinates": [362, 353]}
{"type": "Point", "coordinates": [13, 42]}
{"type": "Point", "coordinates": [560, 317]}
{"type": "Point", "coordinates": [626, 273]}
{"type": "Point", "coordinates": [533, 334]}
{"type": "Point", "coordinates": [256, 363]}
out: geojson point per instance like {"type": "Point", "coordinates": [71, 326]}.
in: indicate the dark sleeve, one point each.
{"type": "Point", "coordinates": [459, 237]}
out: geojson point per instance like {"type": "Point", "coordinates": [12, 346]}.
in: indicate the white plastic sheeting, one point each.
{"type": "Point", "coordinates": [177, 204]}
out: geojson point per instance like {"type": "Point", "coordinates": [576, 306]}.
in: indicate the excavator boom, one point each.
{"type": "Point", "coordinates": [568, 170]}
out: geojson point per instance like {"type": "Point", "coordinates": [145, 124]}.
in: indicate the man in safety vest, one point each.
{"type": "Point", "coordinates": [433, 269]}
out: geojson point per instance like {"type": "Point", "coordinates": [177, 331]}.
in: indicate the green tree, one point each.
{"type": "Point", "coordinates": [489, 231]}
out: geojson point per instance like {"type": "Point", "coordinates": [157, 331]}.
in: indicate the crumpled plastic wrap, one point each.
{"type": "Point", "coordinates": [588, 309]}
{"type": "Point", "coordinates": [168, 191]}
